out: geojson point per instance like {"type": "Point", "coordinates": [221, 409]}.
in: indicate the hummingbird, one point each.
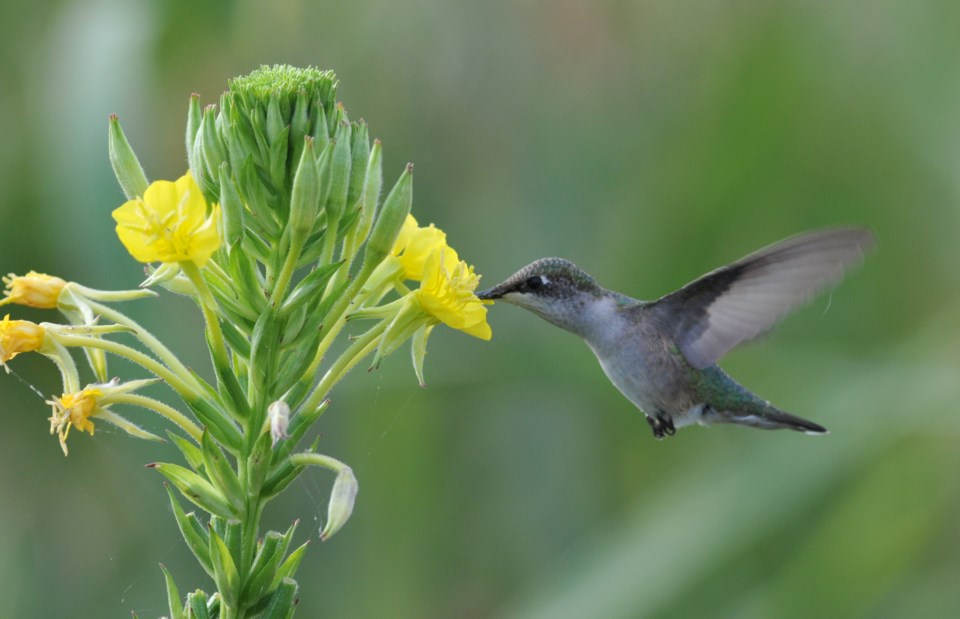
{"type": "Point", "coordinates": [662, 355]}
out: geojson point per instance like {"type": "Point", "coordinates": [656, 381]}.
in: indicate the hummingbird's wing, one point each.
{"type": "Point", "coordinates": [740, 301]}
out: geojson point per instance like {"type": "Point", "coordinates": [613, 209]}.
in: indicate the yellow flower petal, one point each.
{"type": "Point", "coordinates": [17, 336]}
{"type": "Point", "coordinates": [446, 293]}
{"type": "Point", "coordinates": [169, 223]}
{"type": "Point", "coordinates": [410, 226]}
{"type": "Point", "coordinates": [33, 290]}
{"type": "Point", "coordinates": [415, 244]}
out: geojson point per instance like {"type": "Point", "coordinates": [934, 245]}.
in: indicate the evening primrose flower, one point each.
{"type": "Point", "coordinates": [33, 290]}
{"type": "Point", "coordinates": [17, 336]}
{"type": "Point", "coordinates": [415, 244]}
{"type": "Point", "coordinates": [446, 294]}
{"type": "Point", "coordinates": [78, 409]}
{"type": "Point", "coordinates": [74, 410]}
{"type": "Point", "coordinates": [170, 223]}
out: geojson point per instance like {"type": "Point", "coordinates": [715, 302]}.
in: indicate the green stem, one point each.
{"type": "Point", "coordinates": [218, 349]}
{"type": "Point", "coordinates": [361, 347]}
{"type": "Point", "coordinates": [150, 341]}
{"type": "Point", "coordinates": [163, 410]}
{"type": "Point", "coordinates": [186, 390]}
{"type": "Point", "coordinates": [286, 272]}
{"type": "Point", "coordinates": [66, 365]}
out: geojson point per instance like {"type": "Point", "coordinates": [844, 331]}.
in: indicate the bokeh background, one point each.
{"type": "Point", "coordinates": [648, 141]}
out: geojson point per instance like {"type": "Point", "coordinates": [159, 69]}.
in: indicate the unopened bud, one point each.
{"type": "Point", "coordinates": [278, 415]}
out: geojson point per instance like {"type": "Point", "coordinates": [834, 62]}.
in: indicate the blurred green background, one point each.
{"type": "Point", "coordinates": [647, 141]}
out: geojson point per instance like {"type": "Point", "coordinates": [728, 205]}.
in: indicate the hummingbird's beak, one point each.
{"type": "Point", "coordinates": [490, 293]}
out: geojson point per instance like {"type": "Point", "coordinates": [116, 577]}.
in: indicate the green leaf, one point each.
{"type": "Point", "coordinates": [308, 287]}
{"type": "Point", "coordinates": [224, 570]}
{"type": "Point", "coordinates": [220, 472]}
{"type": "Point", "coordinates": [196, 489]}
{"type": "Point", "coordinates": [194, 534]}
{"type": "Point", "coordinates": [289, 567]}
{"type": "Point", "coordinates": [191, 452]}
{"type": "Point", "coordinates": [173, 595]}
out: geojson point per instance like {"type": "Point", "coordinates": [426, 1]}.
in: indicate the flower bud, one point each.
{"type": "Point", "coordinates": [278, 416]}
{"type": "Point", "coordinates": [125, 164]}
{"type": "Point", "coordinates": [360, 155]}
{"type": "Point", "coordinates": [231, 221]}
{"type": "Point", "coordinates": [17, 336]}
{"type": "Point", "coordinates": [370, 198]}
{"type": "Point", "coordinates": [339, 177]}
{"type": "Point", "coordinates": [305, 199]}
{"type": "Point", "coordinates": [194, 116]}
{"type": "Point", "coordinates": [212, 147]}
{"type": "Point", "coordinates": [392, 216]}
{"type": "Point", "coordinates": [33, 290]}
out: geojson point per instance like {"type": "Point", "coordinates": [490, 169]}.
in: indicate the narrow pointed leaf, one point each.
{"type": "Point", "coordinates": [220, 471]}
{"type": "Point", "coordinates": [225, 570]}
{"type": "Point", "coordinates": [195, 489]}
{"type": "Point", "coordinates": [194, 534]}
{"type": "Point", "coordinates": [173, 595]}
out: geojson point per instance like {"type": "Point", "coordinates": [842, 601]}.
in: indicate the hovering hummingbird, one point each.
{"type": "Point", "coordinates": [662, 354]}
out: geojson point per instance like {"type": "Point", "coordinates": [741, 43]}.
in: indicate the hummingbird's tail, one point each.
{"type": "Point", "coordinates": [769, 418]}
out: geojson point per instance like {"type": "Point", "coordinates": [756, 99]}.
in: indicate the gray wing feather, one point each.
{"type": "Point", "coordinates": [743, 300]}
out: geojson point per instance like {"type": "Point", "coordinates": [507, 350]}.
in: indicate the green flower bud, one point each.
{"type": "Point", "coordinates": [283, 602]}
{"type": "Point", "coordinates": [360, 154]}
{"type": "Point", "coordinates": [211, 148]}
{"type": "Point", "coordinates": [305, 199]}
{"type": "Point", "coordinates": [372, 184]}
{"type": "Point", "coordinates": [197, 601]}
{"type": "Point", "coordinates": [194, 115]}
{"type": "Point", "coordinates": [394, 213]}
{"type": "Point", "coordinates": [231, 210]}
{"type": "Point", "coordinates": [266, 115]}
{"type": "Point", "coordinates": [339, 177]}
{"type": "Point", "coordinates": [125, 164]}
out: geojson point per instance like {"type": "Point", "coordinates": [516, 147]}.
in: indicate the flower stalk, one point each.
{"type": "Point", "coordinates": [279, 234]}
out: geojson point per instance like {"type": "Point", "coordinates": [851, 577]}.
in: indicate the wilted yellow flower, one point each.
{"type": "Point", "coordinates": [73, 410]}
{"type": "Point", "coordinates": [169, 223]}
{"type": "Point", "coordinates": [33, 290]}
{"type": "Point", "coordinates": [17, 336]}
{"type": "Point", "coordinates": [415, 244]}
{"type": "Point", "coordinates": [446, 293]}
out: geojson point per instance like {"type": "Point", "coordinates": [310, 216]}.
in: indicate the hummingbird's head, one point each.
{"type": "Point", "coordinates": [555, 289]}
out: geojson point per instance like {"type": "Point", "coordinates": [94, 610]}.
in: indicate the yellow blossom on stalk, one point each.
{"type": "Point", "coordinates": [446, 293]}
{"type": "Point", "coordinates": [17, 336]}
{"type": "Point", "coordinates": [169, 223]}
{"type": "Point", "coordinates": [33, 290]}
{"type": "Point", "coordinates": [73, 410]}
{"type": "Point", "coordinates": [415, 244]}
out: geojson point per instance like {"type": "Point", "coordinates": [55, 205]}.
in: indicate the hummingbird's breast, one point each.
{"type": "Point", "coordinates": [640, 360]}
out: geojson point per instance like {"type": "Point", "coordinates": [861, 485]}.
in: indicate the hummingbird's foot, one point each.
{"type": "Point", "coordinates": [661, 426]}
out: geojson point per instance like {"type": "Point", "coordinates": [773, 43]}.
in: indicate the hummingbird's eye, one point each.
{"type": "Point", "coordinates": [534, 282]}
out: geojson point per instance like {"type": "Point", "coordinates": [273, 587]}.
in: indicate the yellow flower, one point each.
{"type": "Point", "coordinates": [17, 336]}
{"type": "Point", "coordinates": [415, 244]}
{"type": "Point", "coordinates": [33, 290]}
{"type": "Point", "coordinates": [169, 223]}
{"type": "Point", "coordinates": [73, 410]}
{"type": "Point", "coordinates": [446, 293]}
